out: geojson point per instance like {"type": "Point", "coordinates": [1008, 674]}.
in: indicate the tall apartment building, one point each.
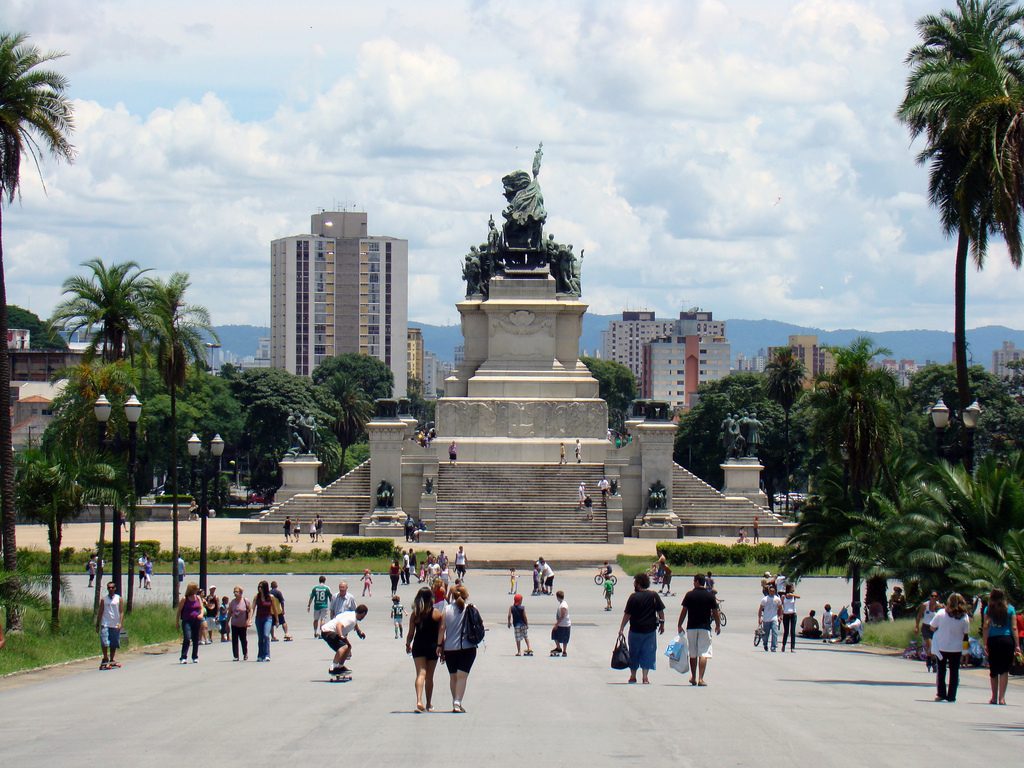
{"type": "Point", "coordinates": [752, 364]}
{"type": "Point", "coordinates": [675, 365]}
{"type": "Point", "coordinates": [623, 341]}
{"type": "Point", "coordinates": [338, 290]}
{"type": "Point", "coordinates": [901, 369]}
{"type": "Point", "coordinates": [414, 351]}
{"type": "Point", "coordinates": [1008, 353]}
{"type": "Point", "coordinates": [816, 359]}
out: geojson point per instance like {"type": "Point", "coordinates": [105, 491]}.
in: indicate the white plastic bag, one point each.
{"type": "Point", "coordinates": [677, 649]}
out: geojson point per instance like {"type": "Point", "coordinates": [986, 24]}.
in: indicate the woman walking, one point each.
{"type": "Point", "coordinates": [240, 619]}
{"type": "Point", "coordinates": [999, 634]}
{"type": "Point", "coordinates": [949, 625]}
{"type": "Point", "coordinates": [189, 617]}
{"type": "Point", "coordinates": [789, 599]}
{"type": "Point", "coordinates": [265, 610]}
{"type": "Point", "coordinates": [421, 642]}
{"type": "Point", "coordinates": [394, 572]}
{"type": "Point", "coordinates": [457, 652]}
{"type": "Point", "coordinates": [645, 614]}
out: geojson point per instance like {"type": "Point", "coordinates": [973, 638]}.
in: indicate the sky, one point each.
{"type": "Point", "coordinates": [738, 156]}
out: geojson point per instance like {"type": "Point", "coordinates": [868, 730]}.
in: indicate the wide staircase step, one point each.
{"type": "Point", "coordinates": [342, 504]}
{"type": "Point", "coordinates": [478, 501]}
{"type": "Point", "coordinates": [702, 509]}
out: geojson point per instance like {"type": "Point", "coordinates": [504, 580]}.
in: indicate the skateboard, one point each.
{"type": "Point", "coordinates": [339, 677]}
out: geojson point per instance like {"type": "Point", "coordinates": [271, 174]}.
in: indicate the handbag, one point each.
{"type": "Point", "coordinates": [620, 654]}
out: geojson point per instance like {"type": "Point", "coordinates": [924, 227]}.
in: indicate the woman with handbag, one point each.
{"type": "Point", "coordinates": [265, 609]}
{"type": "Point", "coordinates": [999, 634]}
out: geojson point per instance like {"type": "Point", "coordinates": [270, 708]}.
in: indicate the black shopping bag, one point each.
{"type": "Point", "coordinates": [620, 656]}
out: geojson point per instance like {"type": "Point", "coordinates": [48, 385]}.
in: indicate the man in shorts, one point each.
{"type": "Point", "coordinates": [699, 607]}
{"type": "Point", "coordinates": [335, 633]}
{"type": "Point", "coordinates": [320, 601]}
{"type": "Point", "coordinates": [547, 576]}
{"type": "Point", "coordinates": [109, 623]}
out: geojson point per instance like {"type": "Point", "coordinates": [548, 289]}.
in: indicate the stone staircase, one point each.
{"type": "Point", "coordinates": [342, 505]}
{"type": "Point", "coordinates": [517, 502]}
{"type": "Point", "coordinates": [704, 511]}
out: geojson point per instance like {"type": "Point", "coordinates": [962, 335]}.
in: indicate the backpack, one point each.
{"type": "Point", "coordinates": [473, 626]}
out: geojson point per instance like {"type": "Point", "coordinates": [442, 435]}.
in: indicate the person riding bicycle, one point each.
{"type": "Point", "coordinates": [605, 570]}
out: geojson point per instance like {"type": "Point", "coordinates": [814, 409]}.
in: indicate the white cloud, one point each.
{"type": "Point", "coordinates": [742, 156]}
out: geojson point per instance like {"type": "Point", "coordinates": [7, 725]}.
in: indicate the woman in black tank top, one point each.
{"type": "Point", "coordinates": [421, 643]}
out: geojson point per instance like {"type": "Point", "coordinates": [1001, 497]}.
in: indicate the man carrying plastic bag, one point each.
{"type": "Point", "coordinates": [699, 607]}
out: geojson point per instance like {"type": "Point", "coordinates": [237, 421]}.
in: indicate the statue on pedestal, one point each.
{"type": "Point", "coordinates": [657, 497]}
{"type": "Point", "coordinates": [303, 434]}
{"type": "Point", "coordinates": [385, 495]}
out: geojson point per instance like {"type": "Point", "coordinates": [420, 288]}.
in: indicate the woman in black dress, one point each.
{"type": "Point", "coordinates": [421, 642]}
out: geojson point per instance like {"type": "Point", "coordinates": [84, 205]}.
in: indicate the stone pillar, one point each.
{"type": "Point", "coordinates": [655, 438]}
{"type": "Point", "coordinates": [743, 479]}
{"type": "Point", "coordinates": [387, 434]}
{"type": "Point", "coordinates": [298, 475]}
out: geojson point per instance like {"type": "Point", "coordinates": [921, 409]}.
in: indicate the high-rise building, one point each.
{"type": "Point", "coordinates": [695, 353]}
{"type": "Point", "coordinates": [1008, 353]}
{"type": "Point", "coordinates": [415, 355]}
{"type": "Point", "coordinates": [752, 364]}
{"type": "Point", "coordinates": [901, 369]}
{"type": "Point", "coordinates": [816, 359]}
{"type": "Point", "coordinates": [339, 290]}
{"type": "Point", "coordinates": [623, 341]}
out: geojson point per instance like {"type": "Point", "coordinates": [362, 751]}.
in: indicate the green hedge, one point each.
{"type": "Point", "coordinates": [168, 498]}
{"type": "Point", "coordinates": [707, 553]}
{"type": "Point", "coordinates": [342, 549]}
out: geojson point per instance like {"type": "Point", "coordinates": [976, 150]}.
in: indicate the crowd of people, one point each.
{"type": "Point", "coordinates": [293, 529]}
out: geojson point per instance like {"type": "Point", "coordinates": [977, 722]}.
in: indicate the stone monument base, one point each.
{"type": "Point", "coordinates": [299, 474]}
{"type": "Point", "coordinates": [743, 480]}
{"type": "Point", "coordinates": [384, 521]}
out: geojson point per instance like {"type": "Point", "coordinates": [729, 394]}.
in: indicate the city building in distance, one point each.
{"type": "Point", "coordinates": [623, 341]}
{"type": "Point", "coordinates": [1001, 358]}
{"type": "Point", "coordinates": [339, 290]}
{"type": "Point", "coordinates": [816, 358]}
{"type": "Point", "coordinates": [695, 351]}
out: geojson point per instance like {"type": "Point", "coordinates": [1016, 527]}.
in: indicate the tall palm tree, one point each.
{"type": "Point", "coordinates": [36, 118]}
{"type": "Point", "coordinates": [53, 488]}
{"type": "Point", "coordinates": [177, 330]}
{"type": "Point", "coordinates": [350, 409]}
{"type": "Point", "coordinates": [112, 299]}
{"type": "Point", "coordinates": [856, 421]}
{"type": "Point", "coordinates": [785, 383]}
{"type": "Point", "coordinates": [965, 93]}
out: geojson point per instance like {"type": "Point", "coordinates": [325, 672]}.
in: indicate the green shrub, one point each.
{"type": "Point", "coordinates": [265, 554]}
{"type": "Point", "coordinates": [67, 555]}
{"type": "Point", "coordinates": [712, 554]}
{"type": "Point", "coordinates": [344, 549]}
{"type": "Point", "coordinates": [168, 498]}
{"type": "Point", "coordinates": [149, 547]}
{"type": "Point", "coordinates": [285, 554]}
{"type": "Point", "coordinates": [316, 554]}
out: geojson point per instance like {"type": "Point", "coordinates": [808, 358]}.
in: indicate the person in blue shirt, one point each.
{"type": "Point", "coordinates": [999, 633]}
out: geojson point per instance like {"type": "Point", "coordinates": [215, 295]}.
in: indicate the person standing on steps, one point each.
{"type": "Point", "coordinates": [561, 453]}
{"type": "Point", "coordinates": [645, 614]}
{"type": "Point", "coordinates": [453, 452]}
{"type": "Point", "coordinates": [581, 495]}
{"type": "Point", "coordinates": [579, 452]}
{"type": "Point", "coordinates": [699, 607]}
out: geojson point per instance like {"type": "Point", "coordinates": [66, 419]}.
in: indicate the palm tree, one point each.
{"type": "Point", "coordinates": [965, 93]}
{"type": "Point", "coordinates": [35, 114]}
{"type": "Point", "coordinates": [112, 299]}
{"type": "Point", "coordinates": [350, 409]}
{"type": "Point", "coordinates": [785, 383]}
{"type": "Point", "coordinates": [53, 488]}
{"type": "Point", "coordinates": [856, 422]}
{"type": "Point", "coordinates": [177, 330]}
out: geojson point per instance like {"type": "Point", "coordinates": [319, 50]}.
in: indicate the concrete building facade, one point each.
{"type": "Point", "coordinates": [816, 359]}
{"type": "Point", "coordinates": [415, 362]}
{"type": "Point", "coordinates": [623, 341]}
{"type": "Point", "coordinates": [1006, 354]}
{"type": "Point", "coordinates": [674, 366]}
{"type": "Point", "coordinates": [338, 290]}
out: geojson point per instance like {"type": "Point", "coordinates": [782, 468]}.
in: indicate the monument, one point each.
{"type": "Point", "coordinates": [522, 389]}
{"type": "Point", "coordinates": [300, 466]}
{"type": "Point", "coordinates": [741, 437]}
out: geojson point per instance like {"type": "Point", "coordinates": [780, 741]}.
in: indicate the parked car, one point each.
{"type": "Point", "coordinates": [260, 498]}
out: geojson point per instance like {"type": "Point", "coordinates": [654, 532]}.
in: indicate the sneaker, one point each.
{"type": "Point", "coordinates": [113, 665]}
{"type": "Point", "coordinates": [195, 661]}
{"type": "Point", "coordinates": [104, 665]}
{"type": "Point", "coordinates": [245, 657]}
{"type": "Point", "coordinates": [235, 659]}
{"type": "Point", "coordinates": [182, 661]}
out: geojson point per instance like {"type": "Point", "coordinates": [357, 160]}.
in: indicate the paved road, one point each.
{"type": "Point", "coordinates": [857, 706]}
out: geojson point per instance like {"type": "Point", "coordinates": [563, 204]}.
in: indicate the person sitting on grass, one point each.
{"type": "Point", "coordinates": [809, 627]}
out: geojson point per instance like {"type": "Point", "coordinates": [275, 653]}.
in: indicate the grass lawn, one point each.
{"type": "Point", "coordinates": [633, 564]}
{"type": "Point", "coordinates": [898, 634]}
{"type": "Point", "coordinates": [350, 566]}
{"type": "Point", "coordinates": [36, 646]}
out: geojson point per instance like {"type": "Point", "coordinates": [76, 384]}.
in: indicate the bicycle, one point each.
{"type": "Point", "coordinates": [721, 613]}
{"type": "Point", "coordinates": [600, 578]}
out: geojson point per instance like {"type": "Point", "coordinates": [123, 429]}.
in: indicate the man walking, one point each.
{"type": "Point", "coordinates": [109, 624]}
{"type": "Point", "coordinates": [342, 601]}
{"type": "Point", "coordinates": [279, 620]}
{"type": "Point", "coordinates": [769, 613]}
{"type": "Point", "coordinates": [319, 600]}
{"type": "Point", "coordinates": [699, 607]}
{"type": "Point", "coordinates": [579, 452]}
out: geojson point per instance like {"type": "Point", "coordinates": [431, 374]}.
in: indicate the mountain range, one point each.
{"type": "Point", "coordinates": [746, 336]}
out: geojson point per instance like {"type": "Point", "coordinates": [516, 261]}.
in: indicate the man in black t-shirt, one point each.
{"type": "Point", "coordinates": [645, 614]}
{"type": "Point", "coordinates": [699, 607]}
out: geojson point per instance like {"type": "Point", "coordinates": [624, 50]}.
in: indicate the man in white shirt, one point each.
{"type": "Point", "coordinates": [335, 634]}
{"type": "Point", "coordinates": [460, 563]}
{"type": "Point", "coordinates": [343, 602]}
{"type": "Point", "coordinates": [780, 584]}
{"type": "Point", "coordinates": [108, 623]}
{"type": "Point", "coordinates": [405, 568]}
{"type": "Point", "coordinates": [769, 614]}
{"type": "Point", "coordinates": [547, 576]}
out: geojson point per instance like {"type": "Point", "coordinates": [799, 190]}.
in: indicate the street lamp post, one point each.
{"type": "Point", "coordinates": [941, 417]}
{"type": "Point", "coordinates": [133, 411]}
{"type": "Point", "coordinates": [195, 446]}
